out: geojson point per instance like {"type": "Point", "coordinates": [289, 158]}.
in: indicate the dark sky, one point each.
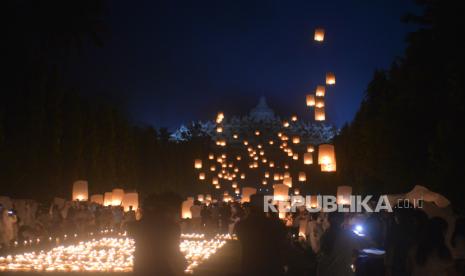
{"type": "Point", "coordinates": [171, 62]}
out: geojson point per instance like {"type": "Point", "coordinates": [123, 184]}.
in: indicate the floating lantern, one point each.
{"type": "Point", "coordinates": [219, 117]}
{"type": "Point", "coordinates": [211, 156]}
{"type": "Point", "coordinates": [257, 132]}
{"type": "Point", "coordinates": [186, 208]}
{"type": "Point", "coordinates": [295, 156]}
{"type": "Point", "coordinates": [246, 193]}
{"type": "Point", "coordinates": [280, 192]}
{"type": "Point", "coordinates": [319, 35]}
{"type": "Point", "coordinates": [235, 136]}
{"type": "Point", "coordinates": [200, 198]}
{"type": "Point", "coordinates": [343, 194]}
{"type": "Point", "coordinates": [320, 91]}
{"type": "Point", "coordinates": [271, 164]}
{"type": "Point", "coordinates": [267, 174]}
{"type": "Point", "coordinates": [310, 100]}
{"type": "Point", "coordinates": [208, 197]}
{"type": "Point", "coordinates": [217, 187]}
{"type": "Point", "coordinates": [308, 158]}
{"type": "Point", "coordinates": [271, 142]}
{"type": "Point", "coordinates": [320, 114]}
{"type": "Point", "coordinates": [330, 78]}
{"type": "Point", "coordinates": [238, 158]}
{"type": "Point", "coordinates": [80, 190]}
{"type": "Point", "coordinates": [202, 176]}
{"type": "Point", "coordinates": [215, 181]}
{"type": "Point", "coordinates": [326, 154]}
{"type": "Point", "coordinates": [212, 168]}
{"type": "Point", "coordinates": [296, 140]}
{"type": "Point", "coordinates": [276, 177]}
{"type": "Point", "coordinates": [310, 148]}
{"type": "Point", "coordinates": [234, 185]}
{"type": "Point", "coordinates": [285, 124]}
{"type": "Point", "coordinates": [237, 191]}
{"type": "Point", "coordinates": [320, 102]}
{"type": "Point", "coordinates": [294, 118]}
{"type": "Point", "coordinates": [302, 177]}
{"type": "Point", "coordinates": [246, 142]}
{"type": "Point", "coordinates": [242, 175]}
{"type": "Point", "coordinates": [288, 181]}
{"type": "Point", "coordinates": [130, 200]}
{"type": "Point", "coordinates": [198, 164]}
{"type": "Point", "coordinates": [286, 166]}
{"type": "Point", "coordinates": [117, 196]}
{"type": "Point", "coordinates": [264, 182]}
{"type": "Point", "coordinates": [328, 167]}
{"type": "Point", "coordinates": [98, 199]}
{"type": "Point", "coordinates": [219, 129]}
{"type": "Point", "coordinates": [107, 199]}
{"type": "Point", "coordinates": [296, 191]}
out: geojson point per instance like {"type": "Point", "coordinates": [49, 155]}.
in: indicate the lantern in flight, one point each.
{"type": "Point", "coordinates": [186, 208]}
{"type": "Point", "coordinates": [211, 156]}
{"type": "Point", "coordinates": [202, 176]}
{"type": "Point", "coordinates": [302, 177]}
{"type": "Point", "coordinates": [219, 117]}
{"type": "Point", "coordinates": [320, 114]}
{"type": "Point", "coordinates": [310, 148]}
{"type": "Point", "coordinates": [310, 100]}
{"type": "Point", "coordinates": [246, 193]}
{"type": "Point", "coordinates": [107, 199]}
{"type": "Point", "coordinates": [280, 192]}
{"type": "Point", "coordinates": [117, 196]}
{"type": "Point", "coordinates": [308, 158]}
{"type": "Point", "coordinates": [319, 35]}
{"type": "Point", "coordinates": [130, 201]}
{"type": "Point", "coordinates": [288, 181]}
{"type": "Point", "coordinates": [215, 181]}
{"type": "Point", "coordinates": [285, 124]}
{"type": "Point", "coordinates": [296, 140]}
{"type": "Point", "coordinates": [98, 199]}
{"type": "Point", "coordinates": [294, 118]}
{"type": "Point", "coordinates": [319, 102]}
{"type": "Point", "coordinates": [80, 190]}
{"type": "Point", "coordinates": [343, 194]}
{"type": "Point", "coordinates": [198, 164]}
{"type": "Point", "coordinates": [330, 78]}
{"type": "Point", "coordinates": [320, 91]}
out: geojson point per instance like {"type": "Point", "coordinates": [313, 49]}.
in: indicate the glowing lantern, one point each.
{"type": "Point", "coordinates": [276, 177]}
{"type": "Point", "coordinates": [280, 192]}
{"type": "Point", "coordinates": [326, 154]}
{"type": "Point", "coordinates": [198, 164]}
{"type": "Point", "coordinates": [294, 118]}
{"type": "Point", "coordinates": [308, 158]}
{"type": "Point", "coordinates": [286, 166]}
{"type": "Point", "coordinates": [296, 140]}
{"type": "Point", "coordinates": [246, 193]}
{"type": "Point", "coordinates": [234, 185]}
{"type": "Point", "coordinates": [211, 156]}
{"type": "Point", "coordinates": [320, 91]}
{"type": "Point", "coordinates": [302, 177]}
{"type": "Point", "coordinates": [328, 167]}
{"type": "Point", "coordinates": [208, 197]}
{"type": "Point", "coordinates": [310, 100]}
{"type": "Point", "coordinates": [130, 200]}
{"type": "Point", "coordinates": [107, 199]}
{"type": "Point", "coordinates": [257, 132]}
{"type": "Point", "coordinates": [237, 191]}
{"type": "Point", "coordinates": [319, 35]}
{"type": "Point", "coordinates": [288, 181]}
{"type": "Point", "coordinates": [217, 187]}
{"type": "Point", "coordinates": [267, 174]}
{"type": "Point", "coordinates": [238, 158]}
{"type": "Point", "coordinates": [235, 136]}
{"type": "Point", "coordinates": [98, 199]}
{"type": "Point", "coordinates": [242, 175]}
{"type": "Point", "coordinates": [80, 190]}
{"type": "Point", "coordinates": [200, 198]}
{"type": "Point", "coordinates": [320, 102]}
{"type": "Point", "coordinates": [320, 114]}
{"type": "Point", "coordinates": [212, 168]}
{"type": "Point", "coordinates": [202, 176]}
{"type": "Point", "coordinates": [186, 208]}
{"type": "Point", "coordinates": [271, 164]}
{"type": "Point", "coordinates": [271, 142]}
{"type": "Point", "coordinates": [215, 181]}
{"type": "Point", "coordinates": [219, 117]}
{"type": "Point", "coordinates": [295, 156]}
{"type": "Point", "coordinates": [310, 148]}
{"type": "Point", "coordinates": [246, 142]}
{"type": "Point", "coordinates": [330, 78]}
{"type": "Point", "coordinates": [296, 191]}
{"type": "Point", "coordinates": [287, 174]}
{"type": "Point", "coordinates": [117, 196]}
{"type": "Point", "coordinates": [285, 124]}
{"type": "Point", "coordinates": [219, 129]}
{"type": "Point", "coordinates": [343, 194]}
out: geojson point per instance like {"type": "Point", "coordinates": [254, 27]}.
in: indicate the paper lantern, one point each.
{"type": "Point", "coordinates": [202, 176]}
{"type": "Point", "coordinates": [267, 174]}
{"type": "Point", "coordinates": [310, 148]}
{"type": "Point", "coordinates": [107, 199]}
{"type": "Point", "coordinates": [212, 168]}
{"type": "Point", "coordinates": [242, 175]}
{"type": "Point", "coordinates": [330, 78]}
{"type": "Point", "coordinates": [326, 154]}
{"type": "Point", "coordinates": [117, 196]}
{"type": "Point", "coordinates": [257, 132]}
{"type": "Point", "coordinates": [219, 129]}
{"type": "Point", "coordinates": [246, 193]}
{"type": "Point", "coordinates": [287, 174]}
{"type": "Point", "coordinates": [211, 156]}
{"type": "Point", "coordinates": [238, 158]}
{"type": "Point", "coordinates": [198, 164]}
{"type": "Point", "coordinates": [234, 185]}
{"type": "Point", "coordinates": [271, 142]}
{"type": "Point", "coordinates": [308, 158]}
{"type": "Point", "coordinates": [98, 199]}
{"type": "Point", "coordinates": [215, 181]}
{"type": "Point", "coordinates": [319, 35]}
{"type": "Point", "coordinates": [208, 197]}
{"type": "Point", "coordinates": [219, 117]}
{"type": "Point", "coordinates": [235, 136]}
{"type": "Point", "coordinates": [328, 167]}
{"type": "Point", "coordinates": [131, 199]}
{"type": "Point", "coordinates": [217, 187]}
{"type": "Point", "coordinates": [237, 191]}
{"type": "Point", "coordinates": [295, 156]}
{"type": "Point", "coordinates": [246, 142]}
{"type": "Point", "coordinates": [296, 191]}
{"type": "Point", "coordinates": [186, 208]}
{"type": "Point", "coordinates": [296, 140]}
{"type": "Point", "coordinates": [320, 91]}
{"type": "Point", "coordinates": [264, 182]}
{"type": "Point", "coordinates": [343, 194]}
{"type": "Point", "coordinates": [319, 102]}
{"type": "Point", "coordinates": [294, 118]}
{"type": "Point", "coordinates": [286, 166]}
{"type": "Point", "coordinates": [285, 124]}
{"type": "Point", "coordinates": [288, 181]}
{"type": "Point", "coordinates": [200, 198]}
{"type": "Point", "coordinates": [320, 114]}
{"type": "Point", "coordinates": [310, 100]}
{"type": "Point", "coordinates": [271, 164]}
{"type": "Point", "coordinates": [80, 190]}
{"type": "Point", "coordinates": [302, 177]}
{"type": "Point", "coordinates": [280, 192]}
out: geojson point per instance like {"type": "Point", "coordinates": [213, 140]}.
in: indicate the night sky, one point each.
{"type": "Point", "coordinates": [171, 62]}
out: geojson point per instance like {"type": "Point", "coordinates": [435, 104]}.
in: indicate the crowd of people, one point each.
{"type": "Point", "coordinates": [29, 220]}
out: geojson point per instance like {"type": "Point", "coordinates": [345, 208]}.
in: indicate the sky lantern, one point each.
{"type": "Point", "coordinates": [276, 177]}
{"type": "Point", "coordinates": [280, 192]}
{"type": "Point", "coordinates": [343, 194]}
{"type": "Point", "coordinates": [117, 196]}
{"type": "Point", "coordinates": [310, 100]}
{"type": "Point", "coordinates": [215, 181]}
{"type": "Point", "coordinates": [286, 166]}
{"type": "Point", "coordinates": [246, 193]}
{"type": "Point", "coordinates": [238, 158]}
{"type": "Point", "coordinates": [200, 198]}
{"type": "Point", "coordinates": [98, 199]}
{"type": "Point", "coordinates": [219, 129]}
{"type": "Point", "coordinates": [212, 168]}
{"type": "Point", "coordinates": [320, 91]}
{"type": "Point", "coordinates": [302, 176]}
{"type": "Point", "coordinates": [296, 140]}
{"type": "Point", "coordinates": [235, 136]}
{"type": "Point", "coordinates": [287, 174]}
{"type": "Point", "coordinates": [257, 132]}
{"type": "Point", "coordinates": [310, 148]}
{"type": "Point", "coordinates": [245, 142]}
{"type": "Point", "coordinates": [285, 124]}
{"type": "Point", "coordinates": [271, 164]}
{"type": "Point", "coordinates": [217, 187]}
{"type": "Point", "coordinates": [264, 182]}
{"type": "Point", "coordinates": [267, 174]}
{"type": "Point", "coordinates": [308, 158]}
{"type": "Point", "coordinates": [211, 156]}
{"type": "Point", "coordinates": [202, 176]}
{"type": "Point", "coordinates": [242, 175]}
{"type": "Point", "coordinates": [320, 114]}
{"type": "Point", "coordinates": [326, 154]}
{"type": "Point", "coordinates": [219, 117]}
{"type": "Point", "coordinates": [330, 78]}
{"type": "Point", "coordinates": [319, 102]}
{"type": "Point", "coordinates": [186, 208]}
{"type": "Point", "coordinates": [294, 118]}
{"type": "Point", "coordinates": [80, 190]}
{"type": "Point", "coordinates": [237, 191]}
{"type": "Point", "coordinates": [130, 199]}
{"type": "Point", "coordinates": [296, 191]}
{"type": "Point", "coordinates": [107, 199]}
{"type": "Point", "coordinates": [234, 185]}
{"type": "Point", "coordinates": [198, 164]}
{"type": "Point", "coordinates": [295, 156]}
{"type": "Point", "coordinates": [319, 35]}
{"type": "Point", "coordinates": [287, 181]}
{"type": "Point", "coordinates": [271, 142]}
